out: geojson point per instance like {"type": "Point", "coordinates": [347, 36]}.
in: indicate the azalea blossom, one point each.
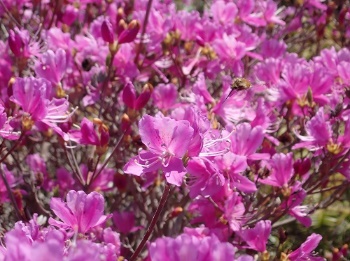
{"type": "Point", "coordinates": [167, 141]}
{"type": "Point", "coordinates": [80, 213]}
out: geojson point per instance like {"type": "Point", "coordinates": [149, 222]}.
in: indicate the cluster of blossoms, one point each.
{"type": "Point", "coordinates": [207, 130]}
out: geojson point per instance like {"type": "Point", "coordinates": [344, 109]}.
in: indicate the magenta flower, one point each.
{"type": "Point", "coordinates": [204, 179]}
{"type": "Point", "coordinates": [35, 97]}
{"type": "Point", "coordinates": [191, 247]}
{"type": "Point", "coordinates": [234, 211]}
{"type": "Point", "coordinates": [164, 96]}
{"type": "Point", "coordinates": [125, 222]}
{"type": "Point", "coordinates": [224, 13]}
{"type": "Point", "coordinates": [247, 14]}
{"type": "Point", "coordinates": [246, 140]}
{"type": "Point", "coordinates": [257, 237]}
{"type": "Point", "coordinates": [21, 43]}
{"type": "Point", "coordinates": [230, 51]}
{"type": "Point", "coordinates": [52, 66]}
{"type": "Point", "coordinates": [281, 170]}
{"type": "Point", "coordinates": [87, 134]}
{"type": "Point", "coordinates": [6, 131]}
{"type": "Point", "coordinates": [10, 180]}
{"type": "Point", "coordinates": [318, 131]}
{"type": "Point", "coordinates": [132, 100]}
{"type": "Point", "coordinates": [81, 212]}
{"type": "Point", "coordinates": [293, 207]}
{"type": "Point", "coordinates": [234, 165]}
{"type": "Point", "coordinates": [167, 141]}
{"type": "Point", "coordinates": [272, 48]}
{"type": "Point", "coordinates": [304, 252]}
{"type": "Point", "coordinates": [107, 31]}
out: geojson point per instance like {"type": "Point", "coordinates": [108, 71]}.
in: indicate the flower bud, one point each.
{"type": "Point", "coordinates": [175, 212]}
{"type": "Point", "coordinates": [16, 43]}
{"type": "Point", "coordinates": [129, 34]}
{"type": "Point", "coordinates": [107, 31]}
{"type": "Point", "coordinates": [125, 124]}
{"type": "Point", "coordinates": [144, 96]}
{"type": "Point", "coordinates": [129, 95]}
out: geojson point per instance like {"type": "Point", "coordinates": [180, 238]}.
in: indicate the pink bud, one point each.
{"type": "Point", "coordinates": [104, 138]}
{"type": "Point", "coordinates": [16, 43]}
{"type": "Point", "coordinates": [107, 31]}
{"type": "Point", "coordinates": [129, 34]}
{"type": "Point", "coordinates": [144, 96]}
{"type": "Point", "coordinates": [129, 95]}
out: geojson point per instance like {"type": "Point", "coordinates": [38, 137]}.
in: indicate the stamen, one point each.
{"type": "Point", "coordinates": [146, 165]}
{"type": "Point", "coordinates": [148, 159]}
{"type": "Point", "coordinates": [166, 161]}
{"type": "Point", "coordinates": [214, 153]}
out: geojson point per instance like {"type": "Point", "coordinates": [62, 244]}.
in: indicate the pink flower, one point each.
{"type": "Point", "coordinates": [191, 247]}
{"type": "Point", "coordinates": [292, 205]}
{"type": "Point", "coordinates": [21, 44]}
{"type": "Point", "coordinates": [107, 31]}
{"type": "Point", "coordinates": [247, 14]}
{"type": "Point", "coordinates": [230, 51]}
{"type": "Point", "coordinates": [224, 13]}
{"type": "Point", "coordinates": [233, 165]}
{"type": "Point", "coordinates": [273, 48]}
{"type": "Point", "coordinates": [52, 66]}
{"type": "Point", "coordinates": [304, 252]}
{"type": "Point", "coordinates": [167, 141]}
{"type": "Point", "coordinates": [35, 97]}
{"type": "Point", "coordinates": [125, 222]}
{"type": "Point", "coordinates": [257, 237]}
{"type": "Point", "coordinates": [10, 180]}
{"type": "Point", "coordinates": [246, 140]}
{"type": "Point", "coordinates": [81, 212]}
{"type": "Point", "coordinates": [318, 131]}
{"type": "Point", "coordinates": [281, 170]}
{"type": "Point", "coordinates": [204, 177]}
{"type": "Point", "coordinates": [234, 211]}
{"type": "Point", "coordinates": [87, 134]}
{"type": "Point", "coordinates": [136, 102]}
{"type": "Point", "coordinates": [164, 96]}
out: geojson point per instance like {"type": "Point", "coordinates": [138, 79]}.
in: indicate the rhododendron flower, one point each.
{"type": "Point", "coordinates": [6, 131]}
{"type": "Point", "coordinates": [257, 237]}
{"type": "Point", "coordinates": [81, 212]}
{"type": "Point", "coordinates": [224, 13]}
{"type": "Point", "coordinates": [167, 141]}
{"type": "Point", "coordinates": [204, 178]}
{"type": "Point", "coordinates": [20, 247]}
{"type": "Point", "coordinates": [11, 182]}
{"type": "Point", "coordinates": [233, 166]}
{"type": "Point", "coordinates": [125, 222]}
{"type": "Point", "coordinates": [234, 211]}
{"type": "Point", "coordinates": [21, 43]}
{"type": "Point", "coordinates": [131, 100]}
{"type": "Point", "coordinates": [35, 97]}
{"type": "Point", "coordinates": [281, 170]}
{"type": "Point", "coordinates": [164, 96]}
{"type": "Point", "coordinates": [190, 247]}
{"type": "Point", "coordinates": [52, 66]}
{"type": "Point", "coordinates": [292, 205]}
{"type": "Point", "coordinates": [318, 131]}
{"type": "Point", "coordinates": [87, 134]}
{"type": "Point", "coordinates": [304, 252]}
{"type": "Point", "coordinates": [246, 140]}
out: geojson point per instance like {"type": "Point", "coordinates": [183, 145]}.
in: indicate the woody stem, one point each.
{"type": "Point", "coordinates": [153, 223]}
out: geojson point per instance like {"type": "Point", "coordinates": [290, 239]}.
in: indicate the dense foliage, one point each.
{"type": "Point", "coordinates": [174, 130]}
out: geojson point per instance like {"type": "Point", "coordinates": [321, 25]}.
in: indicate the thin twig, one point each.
{"type": "Point", "coordinates": [144, 26]}
{"type": "Point", "coordinates": [153, 223]}
{"type": "Point", "coordinates": [12, 198]}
